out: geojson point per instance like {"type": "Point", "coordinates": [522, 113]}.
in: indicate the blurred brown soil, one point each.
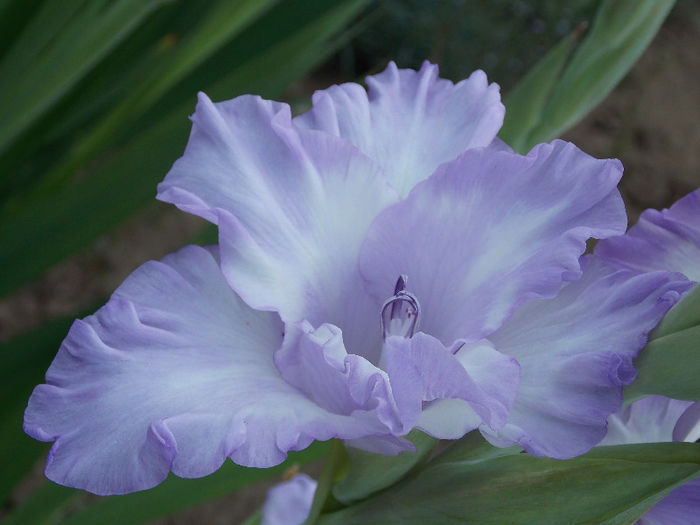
{"type": "Point", "coordinates": [651, 122]}
{"type": "Point", "coordinates": [92, 275]}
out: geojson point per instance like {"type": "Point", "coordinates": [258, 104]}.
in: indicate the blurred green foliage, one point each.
{"type": "Point", "coordinates": [473, 482]}
{"type": "Point", "coordinates": [665, 366]}
{"type": "Point", "coordinates": [566, 85]}
{"type": "Point", "coordinates": [91, 120]}
{"type": "Point", "coordinates": [503, 37]}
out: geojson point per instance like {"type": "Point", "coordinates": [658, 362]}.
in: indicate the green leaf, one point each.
{"type": "Point", "coordinates": [333, 465]}
{"type": "Point", "coordinates": [524, 104]}
{"type": "Point", "coordinates": [14, 15]}
{"type": "Point", "coordinates": [669, 365]}
{"type": "Point", "coordinates": [473, 448]}
{"type": "Point", "coordinates": [49, 228]}
{"type": "Point", "coordinates": [45, 25]}
{"type": "Point", "coordinates": [621, 31]}
{"type": "Point", "coordinates": [223, 20]}
{"type": "Point", "coordinates": [63, 61]}
{"type": "Point", "coordinates": [370, 473]}
{"type": "Point", "coordinates": [294, 55]}
{"type": "Point", "coordinates": [609, 485]}
{"type": "Point", "coordinates": [685, 314]}
{"type": "Point", "coordinates": [121, 72]}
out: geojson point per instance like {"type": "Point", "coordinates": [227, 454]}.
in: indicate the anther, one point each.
{"type": "Point", "coordinates": [400, 313]}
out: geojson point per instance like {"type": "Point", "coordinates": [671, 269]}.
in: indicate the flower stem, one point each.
{"type": "Point", "coordinates": [323, 499]}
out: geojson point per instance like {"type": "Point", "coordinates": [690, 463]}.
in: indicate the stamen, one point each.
{"type": "Point", "coordinates": [400, 284]}
{"type": "Point", "coordinates": [399, 314]}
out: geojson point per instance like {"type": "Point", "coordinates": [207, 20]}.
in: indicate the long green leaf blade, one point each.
{"type": "Point", "coordinates": [685, 314]}
{"type": "Point", "coordinates": [621, 31]}
{"type": "Point", "coordinates": [669, 365]}
{"type": "Point", "coordinates": [610, 486]}
{"type": "Point", "coordinates": [52, 227]}
{"type": "Point", "coordinates": [524, 104]}
{"type": "Point", "coordinates": [223, 20]}
{"type": "Point", "coordinates": [44, 26]}
{"type": "Point", "coordinates": [370, 473]}
{"type": "Point", "coordinates": [89, 38]}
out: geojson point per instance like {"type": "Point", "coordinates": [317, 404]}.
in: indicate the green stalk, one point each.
{"type": "Point", "coordinates": [323, 499]}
